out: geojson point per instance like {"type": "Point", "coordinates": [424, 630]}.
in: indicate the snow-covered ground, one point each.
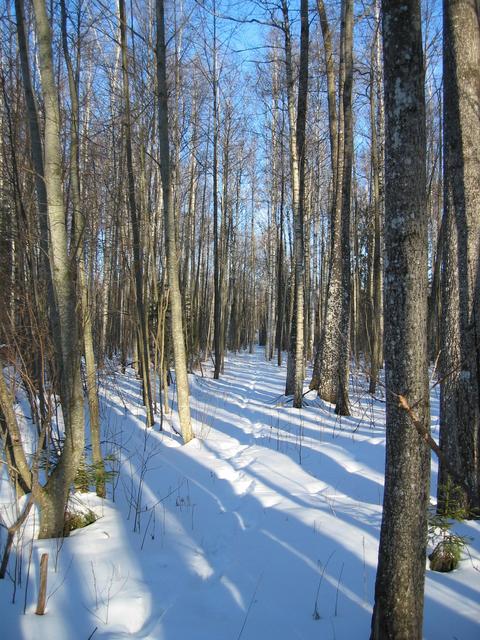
{"type": "Point", "coordinates": [264, 526]}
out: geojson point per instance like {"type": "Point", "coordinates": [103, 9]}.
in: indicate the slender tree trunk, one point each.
{"type": "Point", "coordinates": [295, 364]}
{"type": "Point", "coordinates": [79, 226]}
{"type": "Point", "coordinates": [170, 240]}
{"type": "Point", "coordinates": [19, 469]}
{"type": "Point", "coordinates": [253, 314]}
{"type": "Point", "coordinates": [330, 71]}
{"type": "Point", "coordinates": [342, 406]}
{"type": "Point", "coordinates": [36, 152]}
{"type": "Point", "coordinates": [376, 351]}
{"type": "Point", "coordinates": [36, 148]}
{"type": "Point", "coordinates": [217, 303]}
{"type": "Point", "coordinates": [142, 325]}
{"type": "Point", "coordinates": [281, 297]}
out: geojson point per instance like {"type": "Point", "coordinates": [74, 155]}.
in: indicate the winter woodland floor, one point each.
{"type": "Point", "coordinates": [265, 526]}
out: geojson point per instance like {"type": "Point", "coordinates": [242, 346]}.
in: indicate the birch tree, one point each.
{"type": "Point", "coordinates": [330, 374]}
{"type": "Point", "coordinates": [295, 364]}
{"type": "Point", "coordinates": [169, 229]}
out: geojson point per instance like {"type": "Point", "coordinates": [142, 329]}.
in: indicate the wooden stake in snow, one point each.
{"type": "Point", "coordinates": [42, 593]}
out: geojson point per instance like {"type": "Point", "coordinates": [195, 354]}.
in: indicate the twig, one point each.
{"type": "Point", "coordinates": [422, 430]}
{"type": "Point", "coordinates": [60, 585]}
{"type": "Point", "coordinates": [11, 535]}
{"type": "Point", "coordinates": [338, 587]}
{"type": "Point", "coordinates": [316, 615]}
{"type": "Point", "coordinates": [252, 600]}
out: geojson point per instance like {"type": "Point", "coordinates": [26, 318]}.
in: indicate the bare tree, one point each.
{"type": "Point", "coordinates": [331, 367]}
{"type": "Point", "coordinates": [295, 364]}
{"type": "Point", "coordinates": [53, 497]}
{"type": "Point", "coordinates": [142, 320]}
{"type": "Point", "coordinates": [78, 240]}
{"type": "Point", "coordinates": [169, 229]}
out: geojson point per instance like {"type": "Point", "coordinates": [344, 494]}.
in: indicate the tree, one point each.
{"type": "Point", "coordinates": [295, 365]}
{"type": "Point", "coordinates": [78, 240]}
{"type": "Point", "coordinates": [142, 320]}
{"type": "Point", "coordinates": [217, 304]}
{"type": "Point", "coordinates": [53, 497]}
{"type": "Point", "coordinates": [460, 330]}
{"type": "Point", "coordinates": [331, 368]}
{"type": "Point", "coordinates": [398, 610]}
{"type": "Point", "coordinates": [170, 240]}
{"type": "Point", "coordinates": [374, 285]}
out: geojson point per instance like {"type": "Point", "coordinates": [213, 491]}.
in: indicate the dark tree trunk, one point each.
{"type": "Point", "coordinates": [217, 286]}
{"type": "Point", "coordinates": [460, 328]}
{"type": "Point", "coordinates": [142, 320]}
{"type": "Point", "coordinates": [398, 610]}
{"type": "Point", "coordinates": [342, 406]}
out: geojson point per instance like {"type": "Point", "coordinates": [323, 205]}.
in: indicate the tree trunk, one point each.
{"type": "Point", "coordinates": [398, 610]}
{"type": "Point", "coordinates": [142, 323]}
{"type": "Point", "coordinates": [342, 406]}
{"type": "Point", "coordinates": [295, 364]}
{"type": "Point", "coordinates": [79, 226]}
{"type": "Point", "coordinates": [217, 303]}
{"type": "Point", "coordinates": [375, 278]}
{"type": "Point", "coordinates": [330, 71]}
{"type": "Point", "coordinates": [55, 494]}
{"type": "Point", "coordinates": [330, 374]}
{"type": "Point", "coordinates": [460, 354]}
{"type": "Point", "coordinates": [170, 240]}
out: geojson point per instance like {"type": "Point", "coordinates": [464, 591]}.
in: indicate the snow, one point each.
{"type": "Point", "coordinates": [264, 526]}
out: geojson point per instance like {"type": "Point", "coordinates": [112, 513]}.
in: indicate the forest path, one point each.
{"type": "Point", "coordinates": [263, 522]}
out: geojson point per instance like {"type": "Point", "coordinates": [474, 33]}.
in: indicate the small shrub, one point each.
{"type": "Point", "coordinates": [446, 555]}
{"type": "Point", "coordinates": [78, 520]}
{"type": "Point", "coordinates": [448, 545]}
{"type": "Point", "coordinates": [92, 474]}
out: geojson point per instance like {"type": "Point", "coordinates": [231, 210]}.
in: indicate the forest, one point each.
{"type": "Point", "coordinates": [240, 329]}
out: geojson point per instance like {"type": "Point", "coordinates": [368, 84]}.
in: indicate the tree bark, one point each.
{"type": "Point", "coordinates": [330, 374]}
{"type": "Point", "coordinates": [79, 226]}
{"type": "Point", "coordinates": [55, 494]}
{"type": "Point", "coordinates": [142, 324]}
{"type": "Point", "coordinates": [375, 261]}
{"type": "Point", "coordinates": [217, 285]}
{"type": "Point", "coordinates": [330, 71]}
{"type": "Point", "coordinates": [170, 240]}
{"type": "Point", "coordinates": [398, 610]}
{"type": "Point", "coordinates": [295, 364]}
{"type": "Point", "coordinates": [342, 406]}
{"type": "Point", "coordinates": [460, 329]}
